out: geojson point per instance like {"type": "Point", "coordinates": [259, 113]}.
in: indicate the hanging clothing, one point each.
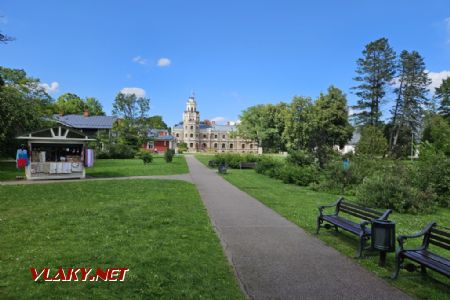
{"type": "Point", "coordinates": [22, 158]}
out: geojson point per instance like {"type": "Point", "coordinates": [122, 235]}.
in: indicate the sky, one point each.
{"type": "Point", "coordinates": [232, 54]}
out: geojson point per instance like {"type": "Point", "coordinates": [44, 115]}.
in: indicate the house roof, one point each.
{"type": "Point", "coordinates": [203, 127]}
{"type": "Point", "coordinates": [82, 122]}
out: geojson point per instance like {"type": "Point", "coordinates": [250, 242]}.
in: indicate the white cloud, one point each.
{"type": "Point", "coordinates": [351, 111]}
{"type": "Point", "coordinates": [50, 88]}
{"type": "Point", "coordinates": [164, 62]}
{"type": "Point", "coordinates": [436, 78]}
{"type": "Point", "coordinates": [219, 119]}
{"type": "Point", "coordinates": [133, 90]}
{"type": "Point", "coordinates": [140, 60]}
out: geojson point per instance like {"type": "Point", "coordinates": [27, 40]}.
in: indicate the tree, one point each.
{"type": "Point", "coordinates": [69, 103]}
{"type": "Point", "coordinates": [411, 95]}
{"type": "Point", "coordinates": [437, 132]}
{"type": "Point", "coordinates": [94, 106]}
{"type": "Point", "coordinates": [296, 123]}
{"type": "Point", "coordinates": [23, 106]}
{"type": "Point", "coordinates": [442, 93]}
{"type": "Point", "coordinates": [132, 128]}
{"type": "Point", "coordinates": [264, 123]}
{"type": "Point", "coordinates": [156, 122]}
{"type": "Point", "coordinates": [328, 124]}
{"type": "Point", "coordinates": [375, 70]}
{"type": "Point", "coordinates": [372, 141]}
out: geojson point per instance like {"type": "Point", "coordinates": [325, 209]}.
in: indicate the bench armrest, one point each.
{"type": "Point", "coordinates": [322, 207]}
{"type": "Point", "coordinates": [385, 215]}
{"type": "Point", "coordinates": [402, 238]}
{"type": "Point", "coordinates": [363, 225]}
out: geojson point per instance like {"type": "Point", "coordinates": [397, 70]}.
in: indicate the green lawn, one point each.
{"type": "Point", "coordinates": [135, 167]}
{"type": "Point", "coordinates": [158, 229]}
{"type": "Point", "coordinates": [299, 205]}
{"type": "Point", "coordinates": [8, 171]}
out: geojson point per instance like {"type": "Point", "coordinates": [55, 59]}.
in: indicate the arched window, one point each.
{"type": "Point", "coordinates": [243, 146]}
{"type": "Point", "coordinates": [192, 127]}
{"type": "Point", "coordinates": [223, 136]}
{"type": "Point", "coordinates": [215, 145]}
{"type": "Point", "coordinates": [192, 135]}
{"type": "Point", "coordinates": [223, 146]}
{"type": "Point", "coordinates": [178, 135]}
{"type": "Point", "coordinates": [191, 145]}
{"type": "Point", "coordinates": [231, 146]}
{"type": "Point", "coordinates": [204, 146]}
{"type": "Point", "coordinates": [251, 146]}
{"type": "Point", "coordinates": [215, 136]}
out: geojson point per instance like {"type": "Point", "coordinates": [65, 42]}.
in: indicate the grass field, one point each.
{"type": "Point", "coordinates": [158, 229]}
{"type": "Point", "coordinates": [116, 168]}
{"type": "Point", "coordinates": [299, 205]}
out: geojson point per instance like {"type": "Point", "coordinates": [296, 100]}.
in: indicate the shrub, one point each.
{"type": "Point", "coordinates": [393, 189]}
{"type": "Point", "coordinates": [300, 158]}
{"type": "Point", "coordinates": [117, 151]}
{"type": "Point", "coordinates": [232, 160]}
{"type": "Point", "coordinates": [433, 172]}
{"type": "Point", "coordinates": [372, 142]}
{"type": "Point", "coordinates": [269, 166]}
{"type": "Point", "coordinates": [302, 176]}
{"type": "Point", "coordinates": [168, 155]}
{"type": "Point", "coordinates": [182, 147]}
{"type": "Point", "coordinates": [145, 155]}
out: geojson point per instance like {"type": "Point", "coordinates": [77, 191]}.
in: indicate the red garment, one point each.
{"type": "Point", "coordinates": [21, 163]}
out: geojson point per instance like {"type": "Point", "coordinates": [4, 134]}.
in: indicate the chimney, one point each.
{"type": "Point", "coordinates": [86, 113]}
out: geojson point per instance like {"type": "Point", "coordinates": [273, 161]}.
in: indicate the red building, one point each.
{"type": "Point", "coordinates": [160, 141]}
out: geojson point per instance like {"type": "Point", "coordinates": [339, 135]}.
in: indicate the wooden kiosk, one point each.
{"type": "Point", "coordinates": [56, 153]}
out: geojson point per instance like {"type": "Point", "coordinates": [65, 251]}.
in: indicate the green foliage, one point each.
{"type": "Point", "coordinates": [69, 103]}
{"type": "Point", "coordinates": [145, 155]}
{"type": "Point", "coordinates": [23, 107]}
{"type": "Point", "coordinates": [434, 172]}
{"type": "Point", "coordinates": [437, 132]}
{"type": "Point", "coordinates": [299, 175]}
{"type": "Point", "coordinates": [168, 155]}
{"type": "Point", "coordinates": [300, 158]}
{"type": "Point", "coordinates": [155, 122]}
{"type": "Point", "coordinates": [375, 71]}
{"type": "Point", "coordinates": [232, 160]}
{"type": "Point", "coordinates": [269, 166]}
{"type": "Point", "coordinates": [94, 106]}
{"type": "Point", "coordinates": [117, 151]}
{"type": "Point", "coordinates": [442, 93]}
{"type": "Point", "coordinates": [372, 142]}
{"type": "Point", "coordinates": [297, 122]}
{"type": "Point", "coordinates": [182, 147]}
{"type": "Point", "coordinates": [394, 188]}
{"type": "Point", "coordinates": [266, 124]}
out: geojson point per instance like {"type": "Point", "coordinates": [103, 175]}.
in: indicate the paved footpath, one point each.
{"type": "Point", "coordinates": [274, 258]}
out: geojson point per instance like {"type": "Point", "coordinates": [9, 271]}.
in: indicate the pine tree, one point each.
{"type": "Point", "coordinates": [442, 93]}
{"type": "Point", "coordinates": [375, 70]}
{"type": "Point", "coordinates": [411, 95]}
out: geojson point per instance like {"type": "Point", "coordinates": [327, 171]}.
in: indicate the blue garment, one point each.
{"type": "Point", "coordinates": [20, 155]}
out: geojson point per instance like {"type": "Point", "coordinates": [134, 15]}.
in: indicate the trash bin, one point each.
{"type": "Point", "coordinates": [383, 238]}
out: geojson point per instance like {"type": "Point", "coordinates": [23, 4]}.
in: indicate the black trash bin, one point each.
{"type": "Point", "coordinates": [383, 238]}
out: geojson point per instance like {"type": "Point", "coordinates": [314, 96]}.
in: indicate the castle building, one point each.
{"type": "Point", "coordinates": [209, 137]}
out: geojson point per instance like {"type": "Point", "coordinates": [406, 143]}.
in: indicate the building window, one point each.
{"type": "Point", "coordinates": [251, 146]}
{"type": "Point", "coordinates": [192, 127]}
{"type": "Point", "coordinates": [215, 145]}
{"type": "Point", "coordinates": [191, 145]}
{"type": "Point", "coordinates": [178, 135]}
{"type": "Point", "coordinates": [223, 136]}
{"type": "Point", "coordinates": [223, 146]}
{"type": "Point", "coordinates": [204, 146]}
{"type": "Point", "coordinates": [192, 135]}
{"type": "Point", "coordinates": [215, 136]}
{"type": "Point", "coordinates": [243, 146]}
{"type": "Point", "coordinates": [231, 146]}
{"type": "Point", "coordinates": [204, 136]}
{"type": "Point", "coordinates": [185, 135]}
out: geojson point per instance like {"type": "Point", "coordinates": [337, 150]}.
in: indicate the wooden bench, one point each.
{"type": "Point", "coordinates": [438, 236]}
{"type": "Point", "coordinates": [212, 163]}
{"type": "Point", "coordinates": [247, 165]}
{"type": "Point", "coordinates": [360, 229]}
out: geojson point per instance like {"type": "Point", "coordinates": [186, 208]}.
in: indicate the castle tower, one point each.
{"type": "Point", "coordinates": [191, 121]}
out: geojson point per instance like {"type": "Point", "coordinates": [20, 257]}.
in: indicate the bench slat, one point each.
{"type": "Point", "coordinates": [439, 238]}
{"type": "Point", "coordinates": [345, 224]}
{"type": "Point", "coordinates": [357, 206]}
{"type": "Point", "coordinates": [440, 232]}
{"type": "Point", "coordinates": [367, 215]}
{"type": "Point", "coordinates": [428, 261]}
{"type": "Point", "coordinates": [439, 244]}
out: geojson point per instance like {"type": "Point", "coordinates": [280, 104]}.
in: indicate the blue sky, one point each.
{"type": "Point", "coordinates": [233, 54]}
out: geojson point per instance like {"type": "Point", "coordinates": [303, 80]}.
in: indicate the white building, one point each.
{"type": "Point", "coordinates": [209, 137]}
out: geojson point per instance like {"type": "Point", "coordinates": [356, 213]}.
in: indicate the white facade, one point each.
{"type": "Point", "coordinates": [201, 137]}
